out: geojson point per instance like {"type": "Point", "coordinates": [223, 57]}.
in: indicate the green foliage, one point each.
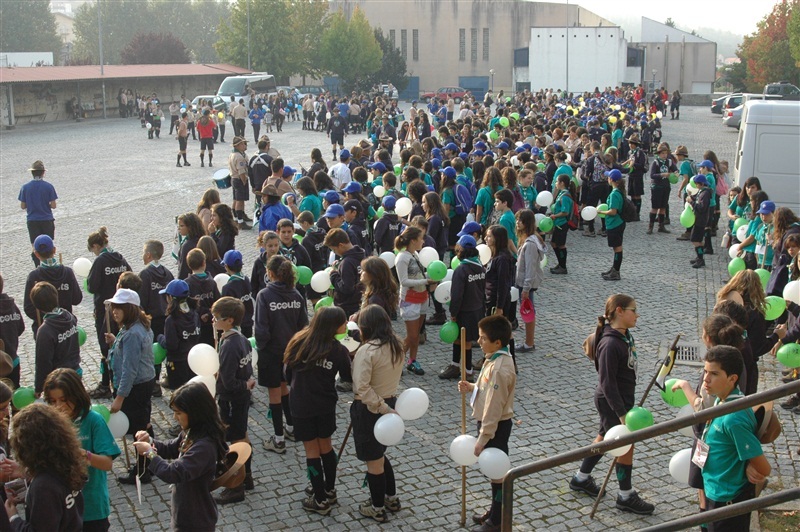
{"type": "Point", "coordinates": [767, 54]}
{"type": "Point", "coordinates": [29, 26]}
{"type": "Point", "coordinates": [393, 65]}
{"type": "Point", "coordinates": [350, 50]}
{"type": "Point", "coordinates": [154, 49]}
{"type": "Point", "coordinates": [669, 22]}
{"type": "Point", "coordinates": [793, 29]}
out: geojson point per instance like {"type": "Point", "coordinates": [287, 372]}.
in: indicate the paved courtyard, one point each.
{"type": "Point", "coordinates": [107, 173]}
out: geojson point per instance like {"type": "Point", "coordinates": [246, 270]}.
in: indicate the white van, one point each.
{"type": "Point", "coordinates": [239, 86]}
{"type": "Point", "coordinates": [769, 148]}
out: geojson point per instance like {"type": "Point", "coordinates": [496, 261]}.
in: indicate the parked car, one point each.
{"type": "Point", "coordinates": [784, 89]}
{"type": "Point", "coordinates": [732, 117]}
{"type": "Point", "coordinates": [731, 101]}
{"type": "Point", "coordinates": [445, 93]}
{"type": "Point", "coordinates": [313, 90]}
{"type": "Point", "coordinates": [716, 104]}
{"type": "Point", "coordinates": [216, 102]}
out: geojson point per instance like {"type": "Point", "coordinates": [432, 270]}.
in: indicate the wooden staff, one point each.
{"type": "Point", "coordinates": [344, 441]}
{"type": "Point", "coordinates": [463, 425]}
{"type": "Point", "coordinates": [60, 260]}
{"type": "Point", "coordinates": [127, 458]}
{"type": "Point", "coordinates": [641, 402]}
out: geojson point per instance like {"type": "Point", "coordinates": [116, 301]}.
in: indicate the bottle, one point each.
{"type": "Point", "coordinates": [726, 240]}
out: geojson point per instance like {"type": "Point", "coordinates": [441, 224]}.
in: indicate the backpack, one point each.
{"type": "Point", "coordinates": [574, 220]}
{"type": "Point", "coordinates": [464, 200]}
{"type": "Point", "coordinates": [628, 213]}
{"type": "Point", "coordinates": [722, 185]}
{"type": "Point", "coordinates": [519, 201]}
{"type": "Point", "coordinates": [598, 174]}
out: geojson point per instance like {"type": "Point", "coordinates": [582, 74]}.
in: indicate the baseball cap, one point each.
{"type": "Point", "coordinates": [436, 163]}
{"type": "Point", "coordinates": [450, 172]}
{"type": "Point", "coordinates": [463, 155]}
{"type": "Point", "coordinates": [353, 205]}
{"type": "Point", "coordinates": [490, 153]}
{"type": "Point", "coordinates": [344, 155]}
{"type": "Point", "coordinates": [613, 175]}
{"type": "Point", "coordinates": [767, 207]}
{"type": "Point", "coordinates": [178, 287]}
{"type": "Point", "coordinates": [331, 197]}
{"type": "Point", "coordinates": [232, 257]}
{"type": "Point", "coordinates": [706, 164]}
{"type": "Point", "coordinates": [700, 179]}
{"type": "Point", "coordinates": [502, 146]}
{"type": "Point", "coordinates": [389, 202]}
{"type": "Point", "coordinates": [436, 153]}
{"type": "Point", "coordinates": [378, 167]}
{"type": "Point", "coordinates": [451, 146]}
{"type": "Point", "coordinates": [334, 210]}
{"type": "Point", "coordinates": [43, 244]}
{"type": "Point", "coordinates": [480, 145]}
{"type": "Point", "coordinates": [467, 241]}
{"type": "Point", "coordinates": [123, 296]}
{"type": "Point", "coordinates": [477, 153]}
{"type": "Point", "coordinates": [519, 149]}
{"type": "Point", "coordinates": [288, 171]}
{"type": "Point", "coordinates": [352, 187]}
{"type": "Point", "coordinates": [469, 228]}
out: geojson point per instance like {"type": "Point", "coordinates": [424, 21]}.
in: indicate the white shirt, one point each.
{"type": "Point", "coordinates": [340, 175]}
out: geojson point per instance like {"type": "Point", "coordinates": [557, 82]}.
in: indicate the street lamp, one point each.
{"type": "Point", "coordinates": [491, 73]}
{"type": "Point", "coordinates": [654, 80]}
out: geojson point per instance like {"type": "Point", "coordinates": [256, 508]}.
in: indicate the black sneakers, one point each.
{"type": "Point", "coordinates": [588, 486]}
{"type": "Point", "coordinates": [635, 504]}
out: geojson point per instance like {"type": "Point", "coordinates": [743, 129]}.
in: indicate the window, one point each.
{"type": "Point", "coordinates": [462, 44]}
{"type": "Point", "coordinates": [404, 43]}
{"type": "Point", "coordinates": [415, 44]}
{"type": "Point", "coordinates": [485, 44]}
{"type": "Point", "coordinates": [474, 44]}
{"type": "Point", "coordinates": [392, 38]}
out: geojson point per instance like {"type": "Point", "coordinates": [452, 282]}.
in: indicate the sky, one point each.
{"type": "Point", "coordinates": [737, 17]}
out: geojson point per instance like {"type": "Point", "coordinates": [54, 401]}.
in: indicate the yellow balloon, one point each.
{"type": "Point", "coordinates": [569, 108]}
{"type": "Point", "coordinates": [652, 115]}
{"type": "Point", "coordinates": [580, 99]}
{"type": "Point", "coordinates": [621, 116]}
{"type": "Point", "coordinates": [221, 115]}
{"type": "Point", "coordinates": [612, 120]}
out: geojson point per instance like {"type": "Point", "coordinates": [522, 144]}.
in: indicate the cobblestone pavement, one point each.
{"type": "Point", "coordinates": [108, 173]}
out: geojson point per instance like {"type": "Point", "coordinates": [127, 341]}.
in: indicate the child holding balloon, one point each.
{"type": "Point", "coordinates": [64, 391]}
{"type": "Point", "coordinates": [493, 404]}
{"type": "Point", "coordinates": [529, 270]}
{"type": "Point", "coordinates": [561, 213]}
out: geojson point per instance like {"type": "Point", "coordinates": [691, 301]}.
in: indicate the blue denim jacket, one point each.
{"type": "Point", "coordinates": [132, 358]}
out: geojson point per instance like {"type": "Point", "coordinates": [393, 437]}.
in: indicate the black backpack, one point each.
{"type": "Point", "coordinates": [628, 213]}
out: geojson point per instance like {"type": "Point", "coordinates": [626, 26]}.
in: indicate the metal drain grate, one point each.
{"type": "Point", "coordinates": [690, 354]}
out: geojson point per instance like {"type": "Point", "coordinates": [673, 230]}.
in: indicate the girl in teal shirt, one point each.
{"type": "Point", "coordinates": [561, 211]}
{"type": "Point", "coordinates": [615, 226]}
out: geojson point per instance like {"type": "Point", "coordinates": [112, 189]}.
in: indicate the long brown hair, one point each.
{"type": "Point", "coordinates": [70, 384]}
{"type": "Point", "coordinates": [375, 325]}
{"type": "Point", "coordinates": [316, 341]}
{"type": "Point", "coordinates": [783, 220]}
{"type": "Point", "coordinates": [380, 283]}
{"type": "Point", "coordinates": [131, 314]}
{"type": "Point", "coordinates": [747, 284]}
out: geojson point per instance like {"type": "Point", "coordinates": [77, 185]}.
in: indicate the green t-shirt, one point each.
{"type": "Point", "coordinates": [485, 198]}
{"type": "Point", "coordinates": [616, 138]}
{"type": "Point", "coordinates": [614, 201]}
{"type": "Point", "coordinates": [752, 229]}
{"type": "Point", "coordinates": [311, 204]}
{"type": "Point", "coordinates": [529, 195]}
{"type": "Point", "coordinates": [563, 203]}
{"type": "Point", "coordinates": [508, 221]}
{"type": "Point", "coordinates": [449, 198]}
{"type": "Point", "coordinates": [685, 168]}
{"type": "Point", "coordinates": [712, 184]}
{"type": "Point", "coordinates": [761, 239]}
{"type": "Point", "coordinates": [563, 169]}
{"type": "Point", "coordinates": [97, 439]}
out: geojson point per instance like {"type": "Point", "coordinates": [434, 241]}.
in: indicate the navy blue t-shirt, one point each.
{"type": "Point", "coordinates": [37, 195]}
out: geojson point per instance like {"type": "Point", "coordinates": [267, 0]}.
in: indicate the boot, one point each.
{"type": "Point", "coordinates": [230, 495]}
{"type": "Point", "coordinates": [662, 229]}
{"type": "Point", "coordinates": [244, 216]}
{"type": "Point", "coordinates": [699, 263]}
{"type": "Point", "coordinates": [685, 236]}
{"type": "Point", "coordinates": [650, 228]}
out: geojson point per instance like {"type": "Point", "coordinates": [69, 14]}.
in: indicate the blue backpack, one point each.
{"type": "Point", "coordinates": [464, 199]}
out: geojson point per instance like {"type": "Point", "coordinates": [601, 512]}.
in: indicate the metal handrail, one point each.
{"type": "Point", "coordinates": [640, 435]}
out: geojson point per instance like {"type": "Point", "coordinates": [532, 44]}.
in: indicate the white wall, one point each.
{"type": "Point", "coordinates": [597, 58]}
{"type": "Point", "coordinates": [25, 59]}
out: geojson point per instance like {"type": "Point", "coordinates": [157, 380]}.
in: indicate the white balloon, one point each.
{"type": "Point", "coordinates": [148, 125]}
{"type": "Point", "coordinates": [388, 258]}
{"type": "Point", "coordinates": [741, 233]}
{"type": "Point", "coordinates": [254, 358]}
{"type": "Point", "coordinates": [686, 410]}
{"type": "Point", "coordinates": [485, 253]}
{"type": "Point", "coordinates": [389, 429]}
{"type": "Point", "coordinates": [221, 279]}
{"type": "Point", "coordinates": [615, 433]}
{"type": "Point", "coordinates": [733, 251]}
{"type": "Point", "coordinates": [81, 266]}
{"type": "Point", "coordinates": [403, 207]}
{"type": "Point", "coordinates": [494, 463]}
{"type": "Point", "coordinates": [679, 465]}
{"type": "Point", "coordinates": [514, 294]}
{"type": "Point", "coordinates": [544, 198]}
{"type": "Point", "coordinates": [442, 292]}
{"type": "Point", "coordinates": [118, 424]}
{"type": "Point", "coordinates": [350, 343]}
{"type": "Point", "coordinates": [692, 189]}
{"type": "Point", "coordinates": [321, 282]}
{"type": "Point", "coordinates": [379, 191]}
{"type": "Point", "coordinates": [448, 276]}
{"type": "Point", "coordinates": [659, 115]}
{"type": "Point", "coordinates": [792, 291]}
{"type": "Point", "coordinates": [209, 381]}
{"type": "Point", "coordinates": [352, 326]}
{"type": "Point", "coordinates": [203, 360]}
{"type": "Point", "coordinates": [462, 449]}
{"type": "Point", "coordinates": [428, 255]}
{"type": "Point", "coordinates": [543, 262]}
{"type": "Point", "coordinates": [328, 271]}
{"type": "Point", "coordinates": [589, 213]}
{"type": "Point", "coordinates": [538, 217]}
{"type": "Point", "coordinates": [412, 404]}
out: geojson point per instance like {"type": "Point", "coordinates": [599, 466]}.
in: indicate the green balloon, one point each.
{"type": "Point", "coordinates": [159, 353]}
{"type": "Point", "coordinates": [454, 263]}
{"type": "Point", "coordinates": [379, 212]}
{"type": "Point", "coordinates": [789, 355]}
{"type": "Point", "coordinates": [304, 275]}
{"type": "Point", "coordinates": [326, 301]}
{"type": "Point", "coordinates": [86, 286]}
{"type": "Point", "coordinates": [504, 121]}
{"type": "Point", "coordinates": [687, 218]}
{"type": "Point", "coordinates": [23, 397]}
{"type": "Point", "coordinates": [437, 270]}
{"type": "Point", "coordinates": [341, 336]}
{"type": "Point", "coordinates": [736, 265]}
{"type": "Point", "coordinates": [103, 411]}
{"type": "Point", "coordinates": [515, 116]}
{"type": "Point", "coordinates": [449, 332]}
{"type": "Point", "coordinates": [81, 335]}
{"type": "Point", "coordinates": [398, 169]}
{"type": "Point", "coordinates": [602, 207]}
{"type": "Point", "coordinates": [676, 398]}
{"type": "Point", "coordinates": [541, 167]}
{"type": "Point", "coordinates": [546, 225]}
{"type": "Point", "coordinates": [494, 135]}
{"type": "Point", "coordinates": [638, 418]}
{"type": "Point", "coordinates": [673, 179]}
{"type": "Point", "coordinates": [775, 306]}
{"type": "Point", "coordinates": [297, 237]}
{"type": "Point", "coordinates": [738, 223]}
{"type": "Point", "coordinates": [252, 342]}
{"type": "Point", "coordinates": [764, 276]}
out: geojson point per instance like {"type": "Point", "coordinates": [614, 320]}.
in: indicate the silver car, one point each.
{"type": "Point", "coordinates": [732, 117]}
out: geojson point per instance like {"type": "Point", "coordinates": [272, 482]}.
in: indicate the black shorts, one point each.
{"type": "Point", "coordinates": [311, 428]}
{"type": "Point", "coordinates": [234, 415]}
{"type": "Point", "coordinates": [614, 236]}
{"type": "Point", "coordinates": [559, 237]}
{"type": "Point", "coordinates": [456, 222]}
{"type": "Point", "coordinates": [270, 369]}
{"type": "Point", "coordinates": [469, 320]}
{"type": "Point", "coordinates": [609, 418]}
{"type": "Point", "coordinates": [137, 406]}
{"type": "Point", "coordinates": [739, 522]}
{"type": "Point", "coordinates": [241, 191]}
{"type": "Point", "coordinates": [367, 447]}
{"type": "Point", "coordinates": [207, 144]}
{"type": "Point", "coordinates": [178, 373]}
{"type": "Point", "coordinates": [636, 186]}
{"type": "Point", "coordinates": [597, 193]}
{"type": "Point", "coordinates": [182, 142]}
{"type": "Point", "coordinates": [337, 139]}
{"type": "Point", "coordinates": [698, 233]}
{"type": "Point", "coordinates": [659, 197]}
{"type": "Point", "coordinates": [501, 435]}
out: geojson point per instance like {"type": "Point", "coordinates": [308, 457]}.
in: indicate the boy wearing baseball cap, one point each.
{"type": "Point", "coordinates": [238, 287]}
{"type": "Point", "coordinates": [181, 333]}
{"type": "Point", "coordinates": [700, 203]}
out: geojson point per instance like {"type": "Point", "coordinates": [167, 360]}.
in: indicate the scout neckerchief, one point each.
{"type": "Point", "coordinates": [473, 260]}
{"type": "Point", "coordinates": [52, 262]}
{"type": "Point", "coordinates": [561, 195]}
{"type": "Point", "coordinates": [701, 447]}
{"type": "Point", "coordinates": [106, 249]}
{"type": "Point", "coordinates": [633, 357]}
{"type": "Point", "coordinates": [153, 263]}
{"type": "Point", "coordinates": [55, 312]}
{"type": "Point", "coordinates": [497, 354]}
{"type": "Point", "coordinates": [236, 276]}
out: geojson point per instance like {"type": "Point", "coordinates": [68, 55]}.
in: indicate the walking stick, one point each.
{"type": "Point", "coordinates": [344, 442]}
{"type": "Point", "coordinates": [667, 364]}
{"type": "Point", "coordinates": [463, 425]}
{"type": "Point", "coordinates": [127, 458]}
{"type": "Point", "coordinates": [60, 261]}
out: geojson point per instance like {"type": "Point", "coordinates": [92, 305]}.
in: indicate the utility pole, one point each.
{"type": "Point", "coordinates": [100, 36]}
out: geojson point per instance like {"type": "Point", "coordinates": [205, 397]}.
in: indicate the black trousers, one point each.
{"type": "Point", "coordinates": [40, 227]}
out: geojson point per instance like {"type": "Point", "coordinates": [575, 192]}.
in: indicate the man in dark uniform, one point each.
{"type": "Point", "coordinates": [337, 130]}
{"type": "Point", "coordinates": [237, 166]}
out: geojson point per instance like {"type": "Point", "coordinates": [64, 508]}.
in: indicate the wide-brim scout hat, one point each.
{"type": "Point", "coordinates": [232, 470]}
{"type": "Point", "coordinates": [634, 139]}
{"type": "Point", "coordinates": [37, 166]}
{"type": "Point", "coordinates": [239, 140]}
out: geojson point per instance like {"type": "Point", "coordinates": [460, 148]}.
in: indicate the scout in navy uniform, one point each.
{"type": "Point", "coordinates": [57, 338]}
{"type": "Point", "coordinates": [292, 249]}
{"type": "Point", "coordinates": [238, 287]}
{"type": "Point", "coordinates": [181, 333]}
{"type": "Point", "coordinates": [38, 198]}
{"type": "Point", "coordinates": [50, 271]}
{"type": "Point", "coordinates": [102, 283]}
{"type": "Point", "coordinates": [346, 272]}
{"type": "Point", "coordinates": [337, 130]}
{"type": "Point", "coordinates": [701, 205]}
{"type": "Point", "coordinates": [203, 291]}
{"type": "Point", "coordinates": [155, 277]}
{"type": "Point", "coordinates": [234, 384]}
{"type": "Point", "coordinates": [387, 228]}
{"type": "Point", "coordinates": [12, 328]}
{"type": "Point", "coordinates": [660, 170]}
{"type": "Point", "coordinates": [493, 404]}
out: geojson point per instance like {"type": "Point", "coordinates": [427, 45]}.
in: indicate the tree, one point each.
{"type": "Point", "coordinates": [350, 50]}
{"type": "Point", "coordinates": [767, 53]}
{"type": "Point", "coordinates": [29, 26]}
{"type": "Point", "coordinates": [121, 20]}
{"type": "Point", "coordinates": [669, 22]}
{"type": "Point", "coordinates": [308, 18]}
{"type": "Point", "coordinates": [393, 65]}
{"type": "Point", "coordinates": [154, 49]}
{"type": "Point", "coordinates": [794, 35]}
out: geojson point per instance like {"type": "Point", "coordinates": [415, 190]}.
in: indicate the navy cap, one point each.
{"type": "Point", "coordinates": [389, 202]}
{"type": "Point", "coordinates": [527, 146]}
{"type": "Point", "coordinates": [490, 153]}
{"type": "Point", "coordinates": [378, 167]}
{"type": "Point", "coordinates": [232, 258]}
{"type": "Point", "coordinates": [477, 153]}
{"type": "Point", "coordinates": [353, 205]}
{"type": "Point", "coordinates": [450, 172]}
{"type": "Point", "coordinates": [331, 197]}
{"type": "Point", "coordinates": [469, 228]}
{"type": "Point", "coordinates": [502, 146]}
{"type": "Point", "coordinates": [334, 210]}
{"type": "Point", "coordinates": [451, 146]}
{"type": "Point", "coordinates": [767, 207]}
{"type": "Point", "coordinates": [700, 179]}
{"type": "Point", "coordinates": [352, 187]}
{"type": "Point", "coordinates": [436, 153]}
{"type": "Point", "coordinates": [613, 175]}
{"type": "Point", "coordinates": [43, 244]}
{"type": "Point", "coordinates": [288, 171]}
{"type": "Point", "coordinates": [467, 241]}
{"type": "Point", "coordinates": [436, 163]}
{"type": "Point", "coordinates": [463, 155]}
{"type": "Point", "coordinates": [480, 145]}
{"type": "Point", "coordinates": [706, 164]}
{"type": "Point", "coordinates": [344, 155]}
{"type": "Point", "coordinates": [519, 149]}
{"type": "Point", "coordinates": [176, 288]}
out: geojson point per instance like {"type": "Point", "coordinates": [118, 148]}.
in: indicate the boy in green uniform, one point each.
{"type": "Point", "coordinates": [503, 199]}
